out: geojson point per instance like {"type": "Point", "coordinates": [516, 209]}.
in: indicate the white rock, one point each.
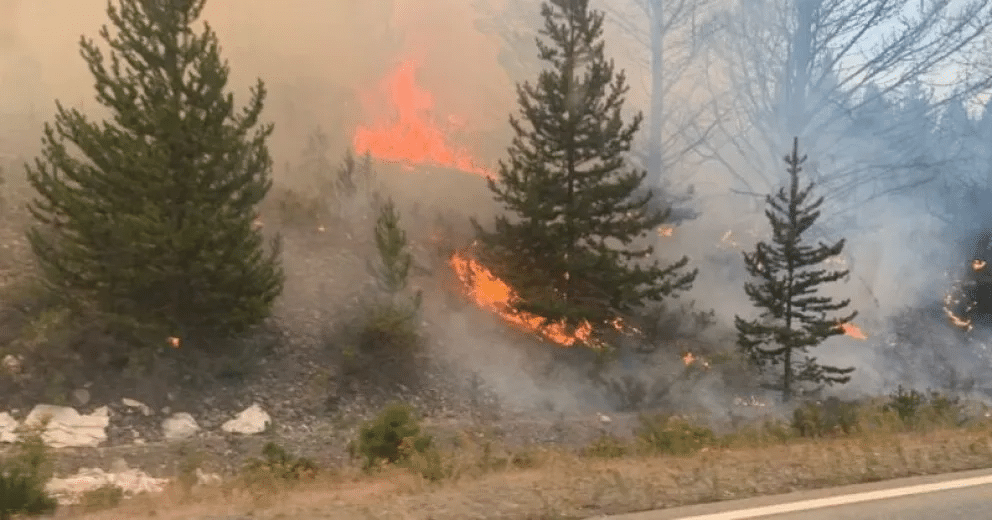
{"type": "Point", "coordinates": [67, 427]}
{"type": "Point", "coordinates": [252, 420]}
{"type": "Point", "coordinates": [207, 479]}
{"type": "Point", "coordinates": [132, 481]}
{"type": "Point", "coordinates": [7, 426]}
{"type": "Point", "coordinates": [179, 426]}
{"type": "Point", "coordinates": [131, 403]}
{"type": "Point", "coordinates": [12, 363]}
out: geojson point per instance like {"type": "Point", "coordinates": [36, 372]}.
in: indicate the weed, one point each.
{"type": "Point", "coordinates": [906, 404]}
{"type": "Point", "coordinates": [22, 479]}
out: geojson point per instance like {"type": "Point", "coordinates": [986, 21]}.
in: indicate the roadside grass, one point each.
{"type": "Point", "coordinates": [669, 462]}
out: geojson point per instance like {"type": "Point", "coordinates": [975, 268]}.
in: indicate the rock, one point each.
{"type": "Point", "coordinates": [12, 363]}
{"type": "Point", "coordinates": [131, 403]}
{"type": "Point", "coordinates": [207, 479]}
{"type": "Point", "coordinates": [132, 481]}
{"type": "Point", "coordinates": [66, 427]}
{"type": "Point", "coordinates": [81, 395]}
{"type": "Point", "coordinates": [250, 421]}
{"type": "Point", "coordinates": [179, 426]}
{"type": "Point", "coordinates": [7, 426]}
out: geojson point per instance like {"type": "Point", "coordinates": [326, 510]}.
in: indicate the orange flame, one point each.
{"type": "Point", "coordinates": [413, 138]}
{"type": "Point", "coordinates": [494, 294]}
{"type": "Point", "coordinates": [853, 330]}
{"type": "Point", "coordinates": [978, 264]}
{"type": "Point", "coordinates": [666, 231]}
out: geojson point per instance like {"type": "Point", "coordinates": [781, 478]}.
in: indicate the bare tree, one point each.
{"type": "Point", "coordinates": [807, 68]}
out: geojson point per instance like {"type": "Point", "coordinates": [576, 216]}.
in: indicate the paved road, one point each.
{"type": "Point", "coordinates": [957, 496]}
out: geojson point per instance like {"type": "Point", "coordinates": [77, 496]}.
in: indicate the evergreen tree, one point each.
{"type": "Point", "coordinates": [569, 252]}
{"type": "Point", "coordinates": [794, 317]}
{"type": "Point", "coordinates": [148, 217]}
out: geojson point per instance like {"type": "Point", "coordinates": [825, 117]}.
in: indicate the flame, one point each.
{"type": "Point", "coordinates": [413, 137]}
{"type": "Point", "coordinates": [173, 341]}
{"type": "Point", "coordinates": [688, 358]}
{"type": "Point", "coordinates": [978, 264]}
{"type": "Point", "coordinates": [853, 330]}
{"type": "Point", "coordinates": [494, 294]}
{"type": "Point", "coordinates": [666, 231]}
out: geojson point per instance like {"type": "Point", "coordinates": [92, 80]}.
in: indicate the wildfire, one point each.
{"type": "Point", "coordinates": [666, 231]}
{"type": "Point", "coordinates": [978, 264]}
{"type": "Point", "coordinates": [413, 137]}
{"type": "Point", "coordinates": [853, 330]}
{"type": "Point", "coordinates": [494, 294]}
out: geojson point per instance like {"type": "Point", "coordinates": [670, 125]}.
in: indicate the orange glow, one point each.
{"type": "Point", "coordinates": [666, 231]}
{"type": "Point", "coordinates": [978, 265]}
{"type": "Point", "coordinates": [413, 138]}
{"type": "Point", "coordinates": [688, 358]}
{"type": "Point", "coordinates": [494, 294]}
{"type": "Point", "coordinates": [174, 342]}
{"type": "Point", "coordinates": [853, 330]}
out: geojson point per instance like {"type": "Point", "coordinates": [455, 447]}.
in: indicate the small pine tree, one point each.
{"type": "Point", "coordinates": [148, 219]}
{"type": "Point", "coordinates": [567, 252]}
{"type": "Point", "coordinates": [794, 317]}
{"type": "Point", "coordinates": [392, 271]}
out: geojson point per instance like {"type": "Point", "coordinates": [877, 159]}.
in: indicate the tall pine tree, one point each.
{"type": "Point", "coordinates": [794, 317]}
{"type": "Point", "coordinates": [148, 216]}
{"type": "Point", "coordinates": [568, 249]}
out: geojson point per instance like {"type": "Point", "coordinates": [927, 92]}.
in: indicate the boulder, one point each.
{"type": "Point", "coordinates": [7, 426]}
{"type": "Point", "coordinates": [250, 421]}
{"type": "Point", "coordinates": [179, 426]}
{"type": "Point", "coordinates": [66, 427]}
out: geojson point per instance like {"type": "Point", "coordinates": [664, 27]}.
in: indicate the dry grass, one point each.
{"type": "Point", "coordinates": [494, 482]}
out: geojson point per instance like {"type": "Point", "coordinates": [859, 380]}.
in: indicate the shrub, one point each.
{"type": "Point", "coordinates": [829, 417]}
{"type": "Point", "coordinates": [606, 446]}
{"type": "Point", "coordinates": [906, 405]}
{"type": "Point", "coordinates": [393, 437]}
{"type": "Point", "coordinates": [389, 328]}
{"type": "Point", "coordinates": [673, 435]}
{"type": "Point", "coordinates": [22, 493]}
{"type": "Point", "coordinates": [23, 478]}
{"type": "Point", "coordinates": [915, 408]}
{"type": "Point", "coordinates": [279, 465]}
{"type": "Point", "coordinates": [103, 497]}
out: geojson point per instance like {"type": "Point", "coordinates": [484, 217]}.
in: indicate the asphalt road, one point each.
{"type": "Point", "coordinates": [957, 496]}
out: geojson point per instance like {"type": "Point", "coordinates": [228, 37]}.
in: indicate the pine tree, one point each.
{"type": "Point", "coordinates": [794, 317]}
{"type": "Point", "coordinates": [568, 251]}
{"type": "Point", "coordinates": [148, 216]}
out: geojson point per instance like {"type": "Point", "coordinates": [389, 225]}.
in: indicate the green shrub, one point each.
{"type": "Point", "coordinates": [673, 435]}
{"type": "Point", "coordinates": [906, 404]}
{"type": "Point", "coordinates": [389, 328]}
{"type": "Point", "coordinates": [23, 478]}
{"type": "Point", "coordinates": [23, 493]}
{"type": "Point", "coordinates": [829, 417]}
{"type": "Point", "coordinates": [279, 465]}
{"type": "Point", "coordinates": [606, 446]}
{"type": "Point", "coordinates": [393, 437]}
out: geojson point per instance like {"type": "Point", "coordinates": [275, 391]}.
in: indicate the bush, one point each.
{"type": "Point", "coordinates": [606, 446]}
{"type": "Point", "coordinates": [829, 417]}
{"type": "Point", "coordinates": [22, 479]}
{"type": "Point", "coordinates": [279, 465]}
{"type": "Point", "coordinates": [103, 497]}
{"type": "Point", "coordinates": [22, 493]}
{"type": "Point", "coordinates": [673, 435]}
{"type": "Point", "coordinates": [389, 328]}
{"type": "Point", "coordinates": [916, 408]}
{"type": "Point", "coordinates": [392, 438]}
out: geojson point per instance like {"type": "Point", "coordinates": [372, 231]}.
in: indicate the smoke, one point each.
{"type": "Point", "coordinates": [325, 63]}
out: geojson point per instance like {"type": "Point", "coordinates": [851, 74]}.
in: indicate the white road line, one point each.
{"type": "Point", "coordinates": [843, 499]}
